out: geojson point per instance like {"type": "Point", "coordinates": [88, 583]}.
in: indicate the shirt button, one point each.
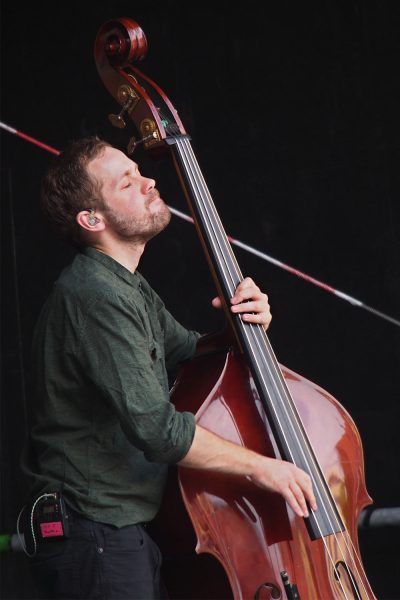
{"type": "Point", "coordinates": [100, 550]}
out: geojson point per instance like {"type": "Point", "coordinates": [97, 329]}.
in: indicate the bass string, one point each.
{"type": "Point", "coordinates": [328, 496]}
{"type": "Point", "coordinates": [215, 232]}
{"type": "Point", "coordinates": [222, 250]}
{"type": "Point", "coordinates": [235, 278]}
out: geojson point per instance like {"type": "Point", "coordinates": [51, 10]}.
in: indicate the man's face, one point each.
{"type": "Point", "coordinates": [134, 210]}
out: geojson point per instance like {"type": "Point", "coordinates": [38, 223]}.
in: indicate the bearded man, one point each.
{"type": "Point", "coordinates": [103, 428]}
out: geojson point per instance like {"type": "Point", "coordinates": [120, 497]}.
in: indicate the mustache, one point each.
{"type": "Point", "coordinates": [153, 195]}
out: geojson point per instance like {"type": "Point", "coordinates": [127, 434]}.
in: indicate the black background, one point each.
{"type": "Point", "coordinates": [293, 110]}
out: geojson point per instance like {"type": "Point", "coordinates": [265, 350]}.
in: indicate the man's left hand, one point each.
{"type": "Point", "coordinates": [250, 302]}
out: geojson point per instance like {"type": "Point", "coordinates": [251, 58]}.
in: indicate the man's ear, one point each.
{"type": "Point", "coordinates": [90, 222]}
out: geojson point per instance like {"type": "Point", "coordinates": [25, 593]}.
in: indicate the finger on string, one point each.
{"type": "Point", "coordinates": [299, 495]}
{"type": "Point", "coordinates": [246, 289]}
{"type": "Point", "coordinates": [246, 307]}
{"type": "Point", "coordinates": [252, 317]}
{"type": "Point", "coordinates": [293, 503]}
{"type": "Point", "coordinates": [310, 496]}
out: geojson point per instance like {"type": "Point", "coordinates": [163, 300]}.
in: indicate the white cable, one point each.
{"type": "Point", "coordinates": [22, 541]}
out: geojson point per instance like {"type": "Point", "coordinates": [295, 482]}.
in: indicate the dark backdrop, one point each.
{"type": "Point", "coordinates": [293, 109]}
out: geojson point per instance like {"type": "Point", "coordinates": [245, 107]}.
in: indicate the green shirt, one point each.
{"type": "Point", "coordinates": [103, 427]}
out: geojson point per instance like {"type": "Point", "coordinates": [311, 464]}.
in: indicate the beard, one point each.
{"type": "Point", "coordinates": [140, 230]}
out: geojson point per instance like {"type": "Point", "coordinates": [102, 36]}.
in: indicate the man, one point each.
{"type": "Point", "coordinates": [103, 428]}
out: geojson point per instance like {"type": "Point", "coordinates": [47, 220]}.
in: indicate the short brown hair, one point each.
{"type": "Point", "coordinates": [67, 188]}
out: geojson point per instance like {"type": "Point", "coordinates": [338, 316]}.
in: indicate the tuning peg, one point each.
{"type": "Point", "coordinates": [131, 145]}
{"type": "Point", "coordinates": [129, 98]}
{"type": "Point", "coordinates": [133, 142]}
{"type": "Point", "coordinates": [117, 120]}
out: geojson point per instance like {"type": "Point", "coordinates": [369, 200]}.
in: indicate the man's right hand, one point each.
{"type": "Point", "coordinates": [211, 452]}
{"type": "Point", "coordinates": [292, 483]}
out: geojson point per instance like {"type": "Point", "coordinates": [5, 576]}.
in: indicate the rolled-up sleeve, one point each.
{"type": "Point", "coordinates": [115, 352]}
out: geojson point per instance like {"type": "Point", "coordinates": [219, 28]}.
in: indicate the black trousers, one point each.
{"type": "Point", "coordinates": [99, 561]}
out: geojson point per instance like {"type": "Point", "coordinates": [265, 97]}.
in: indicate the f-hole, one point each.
{"type": "Point", "coordinates": [342, 566]}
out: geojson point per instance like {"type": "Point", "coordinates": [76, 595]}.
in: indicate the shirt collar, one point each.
{"type": "Point", "coordinates": [109, 263]}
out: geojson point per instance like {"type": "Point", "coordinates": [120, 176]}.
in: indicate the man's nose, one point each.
{"type": "Point", "coordinates": [148, 184]}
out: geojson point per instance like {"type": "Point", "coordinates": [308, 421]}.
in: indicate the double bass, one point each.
{"type": "Point", "coordinates": [221, 536]}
